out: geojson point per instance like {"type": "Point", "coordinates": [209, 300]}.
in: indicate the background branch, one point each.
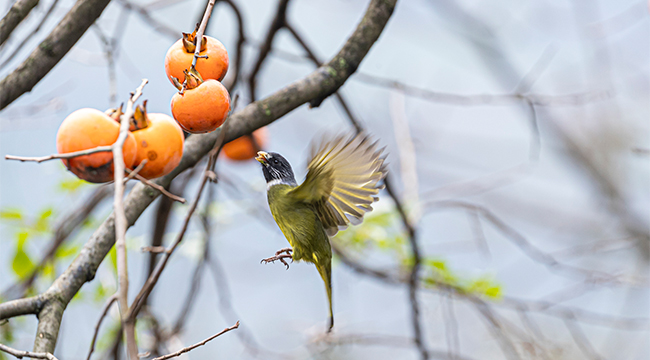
{"type": "Point", "coordinates": [16, 14]}
{"type": "Point", "coordinates": [51, 50]}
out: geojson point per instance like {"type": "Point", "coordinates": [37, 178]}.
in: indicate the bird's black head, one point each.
{"type": "Point", "coordinates": [276, 168]}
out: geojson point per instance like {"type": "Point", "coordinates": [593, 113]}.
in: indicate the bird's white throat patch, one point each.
{"type": "Point", "coordinates": [275, 182]}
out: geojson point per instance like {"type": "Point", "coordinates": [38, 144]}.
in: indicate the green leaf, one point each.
{"type": "Point", "coordinates": [46, 213]}
{"type": "Point", "coordinates": [113, 255]}
{"type": "Point", "coordinates": [22, 264]}
{"type": "Point", "coordinates": [100, 293]}
{"type": "Point", "coordinates": [48, 269]}
{"type": "Point", "coordinates": [42, 223]}
{"type": "Point", "coordinates": [22, 239]}
{"type": "Point", "coordinates": [71, 185]}
{"type": "Point", "coordinates": [11, 214]}
{"type": "Point", "coordinates": [493, 292]}
{"type": "Point", "coordinates": [65, 251]}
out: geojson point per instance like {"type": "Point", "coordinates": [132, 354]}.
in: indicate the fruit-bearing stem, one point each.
{"type": "Point", "coordinates": [199, 34]}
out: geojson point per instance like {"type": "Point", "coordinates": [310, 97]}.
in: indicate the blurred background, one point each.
{"type": "Point", "coordinates": [518, 141]}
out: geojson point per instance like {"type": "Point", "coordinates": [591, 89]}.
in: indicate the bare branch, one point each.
{"type": "Point", "coordinates": [155, 249]}
{"type": "Point", "coordinates": [135, 171]}
{"type": "Point", "coordinates": [581, 340]}
{"type": "Point", "coordinates": [199, 33]}
{"type": "Point", "coordinates": [190, 348]}
{"type": "Point", "coordinates": [535, 253]}
{"type": "Point", "coordinates": [158, 187]}
{"type": "Point", "coordinates": [107, 307]}
{"type": "Point", "coordinates": [33, 32]}
{"type": "Point", "coordinates": [121, 225]}
{"type": "Point", "coordinates": [17, 13]}
{"type": "Point", "coordinates": [142, 296]}
{"type": "Point", "coordinates": [413, 283]}
{"type": "Point", "coordinates": [277, 23]}
{"type": "Point", "coordinates": [64, 229]}
{"type": "Point", "coordinates": [494, 325]}
{"type": "Point", "coordinates": [241, 39]}
{"type": "Point", "coordinates": [26, 306]}
{"type": "Point", "coordinates": [383, 340]}
{"type": "Point", "coordinates": [21, 354]}
{"type": "Point", "coordinates": [70, 155]}
{"type": "Point", "coordinates": [51, 50]}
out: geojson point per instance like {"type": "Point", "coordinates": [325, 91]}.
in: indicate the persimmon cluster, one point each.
{"type": "Point", "coordinates": [202, 103]}
{"type": "Point", "coordinates": [155, 137]}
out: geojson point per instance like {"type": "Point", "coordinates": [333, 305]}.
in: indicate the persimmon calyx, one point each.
{"type": "Point", "coordinates": [189, 42]}
{"type": "Point", "coordinates": [177, 83]}
{"type": "Point", "coordinates": [115, 114]}
{"type": "Point", "coordinates": [192, 79]}
{"type": "Point", "coordinates": [139, 119]}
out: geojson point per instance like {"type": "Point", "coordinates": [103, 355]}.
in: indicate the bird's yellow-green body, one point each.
{"type": "Point", "coordinates": [304, 231]}
{"type": "Point", "coordinates": [341, 184]}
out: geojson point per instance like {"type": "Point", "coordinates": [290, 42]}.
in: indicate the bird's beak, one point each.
{"type": "Point", "coordinates": [262, 157]}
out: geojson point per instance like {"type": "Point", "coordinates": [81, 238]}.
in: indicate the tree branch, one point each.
{"type": "Point", "coordinates": [51, 50]}
{"type": "Point", "coordinates": [190, 348]}
{"type": "Point", "coordinates": [17, 13]}
{"type": "Point", "coordinates": [26, 306]}
{"type": "Point", "coordinates": [21, 354]}
{"type": "Point", "coordinates": [121, 225]}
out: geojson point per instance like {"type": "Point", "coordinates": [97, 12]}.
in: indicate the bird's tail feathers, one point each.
{"type": "Point", "coordinates": [325, 271]}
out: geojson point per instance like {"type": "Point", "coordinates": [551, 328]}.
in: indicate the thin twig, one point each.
{"type": "Point", "coordinates": [62, 232]}
{"type": "Point", "coordinates": [413, 282]}
{"type": "Point", "coordinates": [31, 35]}
{"type": "Point", "coordinates": [121, 225]}
{"type": "Point", "coordinates": [238, 54]}
{"type": "Point", "coordinates": [61, 156]}
{"type": "Point", "coordinates": [201, 31]}
{"type": "Point", "coordinates": [107, 307]}
{"type": "Point", "coordinates": [21, 354]}
{"type": "Point", "coordinates": [135, 171]}
{"type": "Point", "coordinates": [198, 270]}
{"type": "Point", "coordinates": [190, 348]}
{"type": "Point", "coordinates": [155, 249]}
{"type": "Point", "coordinates": [536, 254]}
{"type": "Point", "coordinates": [451, 326]}
{"type": "Point", "coordinates": [158, 187]}
{"type": "Point", "coordinates": [153, 278]}
{"type": "Point", "coordinates": [279, 21]}
{"type": "Point", "coordinates": [581, 340]}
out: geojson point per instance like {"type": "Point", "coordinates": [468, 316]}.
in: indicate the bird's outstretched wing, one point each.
{"type": "Point", "coordinates": [342, 180]}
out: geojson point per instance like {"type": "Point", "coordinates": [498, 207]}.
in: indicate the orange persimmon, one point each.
{"type": "Point", "coordinates": [203, 108]}
{"type": "Point", "coordinates": [242, 148]}
{"type": "Point", "coordinates": [160, 141]}
{"type": "Point", "coordinates": [86, 129]}
{"type": "Point", "coordinates": [180, 55]}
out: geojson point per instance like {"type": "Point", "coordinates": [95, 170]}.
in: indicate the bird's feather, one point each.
{"type": "Point", "coordinates": [342, 181]}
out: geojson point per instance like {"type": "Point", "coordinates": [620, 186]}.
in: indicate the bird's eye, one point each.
{"type": "Point", "coordinates": [275, 161]}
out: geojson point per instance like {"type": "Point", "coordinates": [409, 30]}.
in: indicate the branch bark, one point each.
{"type": "Point", "coordinates": [17, 13]}
{"type": "Point", "coordinates": [49, 52]}
{"type": "Point", "coordinates": [313, 89]}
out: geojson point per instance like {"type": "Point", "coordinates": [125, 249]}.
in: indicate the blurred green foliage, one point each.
{"type": "Point", "coordinates": [384, 231]}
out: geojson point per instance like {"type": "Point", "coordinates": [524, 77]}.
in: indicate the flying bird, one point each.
{"type": "Point", "coordinates": [341, 184]}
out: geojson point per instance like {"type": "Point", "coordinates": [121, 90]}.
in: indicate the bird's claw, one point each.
{"type": "Point", "coordinates": [279, 255]}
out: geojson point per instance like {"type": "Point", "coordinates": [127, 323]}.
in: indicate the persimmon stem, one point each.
{"type": "Point", "coordinates": [201, 31]}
